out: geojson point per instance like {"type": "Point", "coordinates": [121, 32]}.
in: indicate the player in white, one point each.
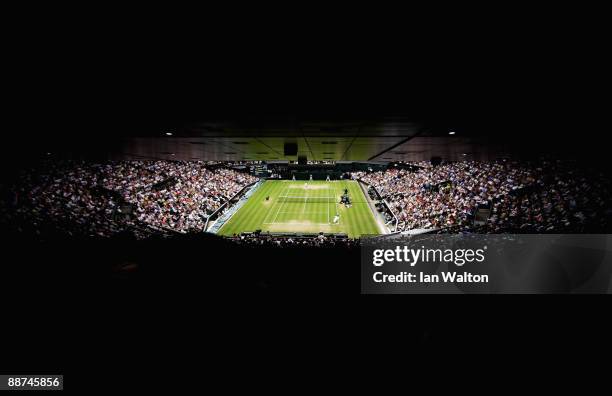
{"type": "Point", "coordinates": [336, 218]}
{"type": "Point", "coordinates": [293, 177]}
{"type": "Point", "coordinates": [327, 179]}
{"type": "Point", "coordinates": [310, 177]}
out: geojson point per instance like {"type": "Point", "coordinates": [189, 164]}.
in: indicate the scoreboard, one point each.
{"type": "Point", "coordinates": [260, 170]}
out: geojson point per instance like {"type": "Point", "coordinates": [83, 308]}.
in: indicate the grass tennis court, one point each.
{"type": "Point", "coordinates": [309, 207]}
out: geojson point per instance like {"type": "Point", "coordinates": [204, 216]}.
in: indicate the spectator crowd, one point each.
{"type": "Point", "coordinates": [139, 196]}
{"type": "Point", "coordinates": [547, 196]}
{"type": "Point", "coordinates": [319, 241]}
{"type": "Point", "coordinates": [107, 199]}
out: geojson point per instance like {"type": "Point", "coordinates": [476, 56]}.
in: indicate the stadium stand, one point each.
{"type": "Point", "coordinates": [142, 198]}
{"type": "Point", "coordinates": [87, 199]}
{"type": "Point", "coordinates": [295, 240]}
{"type": "Point", "coordinates": [541, 197]}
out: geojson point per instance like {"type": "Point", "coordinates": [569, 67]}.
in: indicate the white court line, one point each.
{"type": "Point", "coordinates": [302, 212]}
{"type": "Point", "coordinates": [309, 224]}
{"type": "Point", "coordinates": [328, 211]}
{"type": "Point", "coordinates": [300, 196]}
{"type": "Point", "coordinates": [305, 201]}
{"type": "Point", "coordinates": [297, 212]}
{"type": "Point", "coordinates": [337, 196]}
{"type": "Point", "coordinates": [279, 208]}
{"type": "Point", "coordinates": [272, 209]}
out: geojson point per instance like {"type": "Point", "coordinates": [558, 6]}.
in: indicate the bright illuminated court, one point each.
{"type": "Point", "coordinates": [307, 207]}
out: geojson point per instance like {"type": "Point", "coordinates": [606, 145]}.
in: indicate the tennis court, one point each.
{"type": "Point", "coordinates": [308, 207]}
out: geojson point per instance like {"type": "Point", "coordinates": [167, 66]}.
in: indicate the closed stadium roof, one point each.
{"type": "Point", "coordinates": [387, 139]}
{"type": "Point", "coordinates": [363, 133]}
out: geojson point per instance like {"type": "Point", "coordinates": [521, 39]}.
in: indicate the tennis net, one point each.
{"type": "Point", "coordinates": [290, 199]}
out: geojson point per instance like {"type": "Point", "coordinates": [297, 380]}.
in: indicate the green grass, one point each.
{"type": "Point", "coordinates": [312, 215]}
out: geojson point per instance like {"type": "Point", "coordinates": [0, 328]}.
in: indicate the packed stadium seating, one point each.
{"type": "Point", "coordinates": [540, 197]}
{"type": "Point", "coordinates": [141, 198]}
{"type": "Point", "coordinates": [319, 241]}
{"type": "Point", "coordinates": [91, 199]}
